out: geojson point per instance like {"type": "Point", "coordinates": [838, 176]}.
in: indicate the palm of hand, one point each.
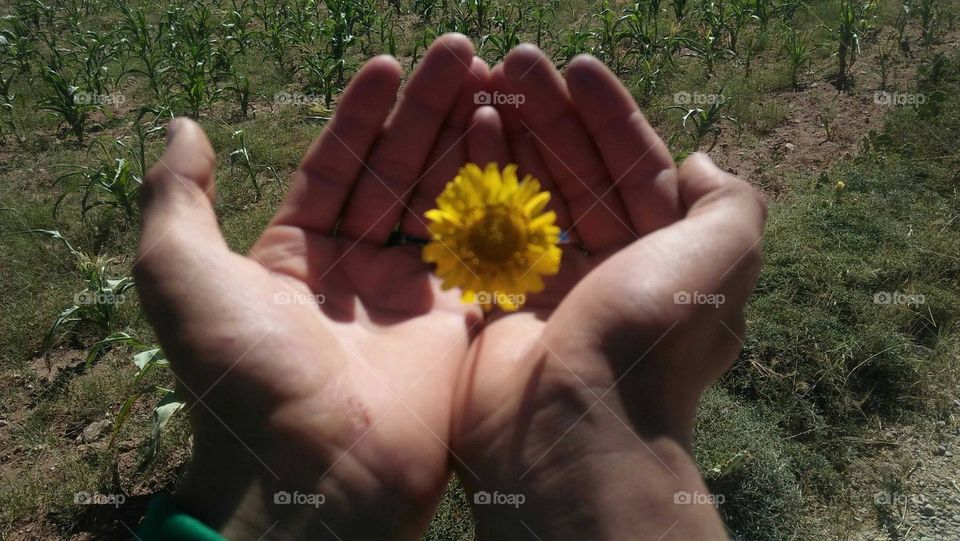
{"type": "Point", "coordinates": [606, 338]}
{"type": "Point", "coordinates": [324, 361]}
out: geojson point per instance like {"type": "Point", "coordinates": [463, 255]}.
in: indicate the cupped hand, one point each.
{"type": "Point", "coordinates": [584, 401]}
{"type": "Point", "coordinates": [319, 369]}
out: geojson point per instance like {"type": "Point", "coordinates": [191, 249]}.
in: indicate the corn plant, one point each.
{"type": "Point", "coordinates": [903, 18]}
{"type": "Point", "coordinates": [756, 43]}
{"type": "Point", "coordinates": [146, 362]}
{"type": "Point", "coordinates": [94, 51]}
{"type": "Point", "coordinates": [737, 16]}
{"type": "Point", "coordinates": [761, 11]}
{"type": "Point", "coordinates": [192, 53]}
{"type": "Point", "coordinates": [789, 8]}
{"type": "Point", "coordinates": [826, 117]}
{"type": "Point", "coordinates": [641, 26]}
{"type": "Point", "coordinates": [64, 103]}
{"type": "Point", "coordinates": [649, 72]}
{"type": "Point", "coordinates": [94, 308]}
{"type": "Point", "coordinates": [885, 60]}
{"type": "Point", "coordinates": [495, 46]}
{"type": "Point", "coordinates": [710, 47]}
{"type": "Point", "coordinates": [700, 124]}
{"type": "Point", "coordinates": [479, 12]}
{"type": "Point", "coordinates": [929, 18]}
{"type": "Point", "coordinates": [855, 17]}
{"type": "Point", "coordinates": [608, 38]}
{"type": "Point", "coordinates": [19, 42]}
{"type": "Point", "coordinates": [275, 34]}
{"type": "Point", "coordinates": [571, 44]}
{"type": "Point", "coordinates": [113, 182]}
{"type": "Point", "coordinates": [541, 14]}
{"type": "Point", "coordinates": [7, 98]}
{"type": "Point", "coordinates": [424, 10]}
{"type": "Point", "coordinates": [238, 24]}
{"type": "Point", "coordinates": [145, 43]}
{"type": "Point", "coordinates": [322, 73]}
{"type": "Point", "coordinates": [679, 8]}
{"type": "Point", "coordinates": [339, 32]}
{"type": "Point", "coordinates": [239, 86]}
{"type": "Point", "coordinates": [458, 17]}
{"type": "Point", "coordinates": [798, 50]}
{"type": "Point", "coordinates": [387, 34]}
{"type": "Point", "coordinates": [240, 159]}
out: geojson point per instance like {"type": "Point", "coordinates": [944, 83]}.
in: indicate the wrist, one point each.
{"type": "Point", "coordinates": [284, 493]}
{"type": "Point", "coordinates": [583, 455]}
{"type": "Point", "coordinates": [599, 495]}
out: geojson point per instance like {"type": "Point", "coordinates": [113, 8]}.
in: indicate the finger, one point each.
{"type": "Point", "coordinates": [523, 148]}
{"type": "Point", "coordinates": [178, 224]}
{"type": "Point", "coordinates": [486, 142]}
{"type": "Point", "coordinates": [567, 149]}
{"type": "Point", "coordinates": [639, 162]}
{"type": "Point", "coordinates": [449, 154]}
{"type": "Point", "coordinates": [329, 169]}
{"type": "Point", "coordinates": [398, 160]}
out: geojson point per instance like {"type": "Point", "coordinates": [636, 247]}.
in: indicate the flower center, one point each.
{"type": "Point", "coordinates": [496, 236]}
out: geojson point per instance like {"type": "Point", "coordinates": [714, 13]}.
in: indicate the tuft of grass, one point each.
{"type": "Point", "coordinates": [452, 520]}
{"type": "Point", "coordinates": [747, 464]}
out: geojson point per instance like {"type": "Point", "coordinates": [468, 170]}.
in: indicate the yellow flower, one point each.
{"type": "Point", "coordinates": [491, 237]}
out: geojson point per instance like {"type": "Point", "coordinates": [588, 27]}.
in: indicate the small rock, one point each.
{"type": "Point", "coordinates": [928, 510]}
{"type": "Point", "coordinates": [4, 422]}
{"type": "Point", "coordinates": [955, 518]}
{"type": "Point", "coordinates": [94, 431]}
{"type": "Point", "coordinates": [941, 424]}
{"type": "Point", "coordinates": [948, 454]}
{"type": "Point", "coordinates": [789, 147]}
{"type": "Point", "coordinates": [941, 449]}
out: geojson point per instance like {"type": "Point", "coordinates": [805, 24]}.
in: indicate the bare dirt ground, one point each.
{"type": "Point", "coordinates": [801, 143]}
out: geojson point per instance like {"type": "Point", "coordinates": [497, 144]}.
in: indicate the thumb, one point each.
{"type": "Point", "coordinates": [178, 225]}
{"type": "Point", "coordinates": [725, 220]}
{"type": "Point", "coordinates": [706, 188]}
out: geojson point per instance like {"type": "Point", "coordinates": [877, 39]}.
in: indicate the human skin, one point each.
{"type": "Point", "coordinates": [584, 401]}
{"type": "Point", "coordinates": [349, 399]}
{"type": "Point", "coordinates": [368, 396]}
